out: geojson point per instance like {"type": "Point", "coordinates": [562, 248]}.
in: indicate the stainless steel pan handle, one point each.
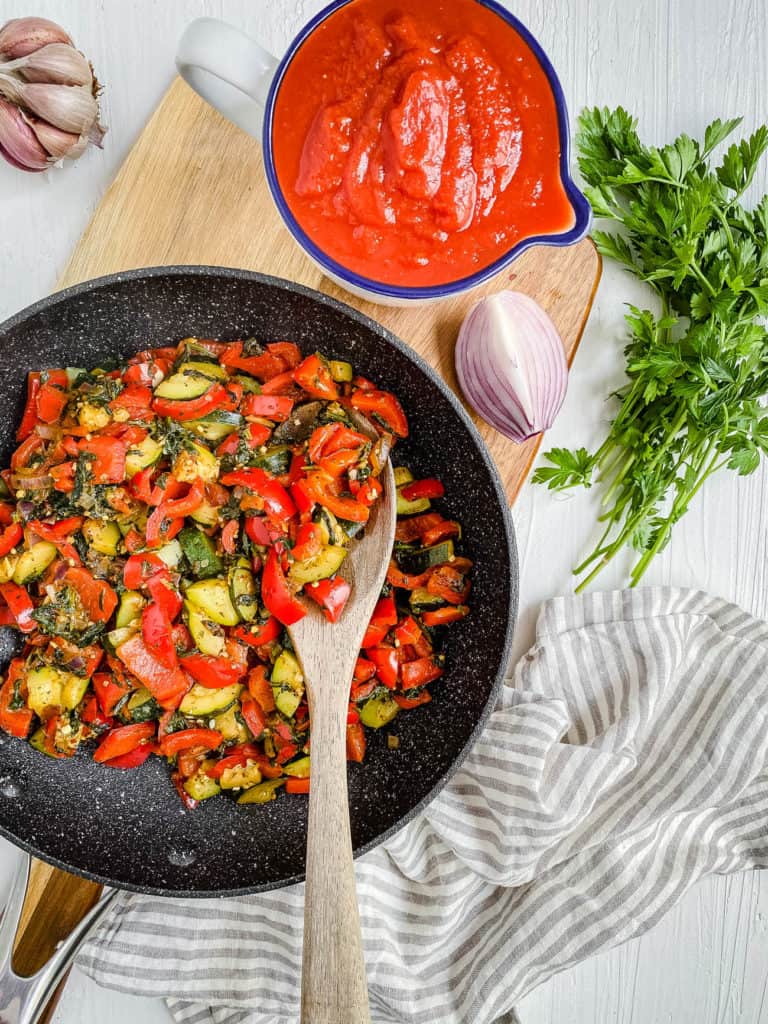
{"type": "Point", "coordinates": [23, 1000]}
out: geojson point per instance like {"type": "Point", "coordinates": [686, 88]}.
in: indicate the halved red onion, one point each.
{"type": "Point", "coordinates": [511, 364]}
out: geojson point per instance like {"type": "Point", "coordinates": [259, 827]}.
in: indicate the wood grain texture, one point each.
{"type": "Point", "coordinates": [333, 984]}
{"type": "Point", "coordinates": [675, 64]}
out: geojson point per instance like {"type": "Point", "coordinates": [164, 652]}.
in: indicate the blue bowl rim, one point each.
{"type": "Point", "coordinates": [581, 208]}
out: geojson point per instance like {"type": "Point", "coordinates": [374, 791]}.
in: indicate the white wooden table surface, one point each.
{"type": "Point", "coordinates": [675, 64]}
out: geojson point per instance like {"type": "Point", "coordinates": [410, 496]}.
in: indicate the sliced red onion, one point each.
{"type": "Point", "coordinates": [511, 364]}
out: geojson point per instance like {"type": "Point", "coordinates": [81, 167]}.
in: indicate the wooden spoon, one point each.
{"type": "Point", "coordinates": [334, 989]}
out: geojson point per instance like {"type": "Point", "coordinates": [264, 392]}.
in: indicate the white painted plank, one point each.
{"type": "Point", "coordinates": [675, 64]}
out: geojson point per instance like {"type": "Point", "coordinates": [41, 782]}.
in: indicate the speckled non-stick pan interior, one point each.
{"type": "Point", "coordinates": [129, 828]}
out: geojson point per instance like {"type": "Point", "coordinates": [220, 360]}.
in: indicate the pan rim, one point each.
{"type": "Point", "coordinates": [202, 270]}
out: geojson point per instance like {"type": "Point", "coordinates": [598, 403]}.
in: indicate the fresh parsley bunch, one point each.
{"type": "Point", "coordinates": [697, 373]}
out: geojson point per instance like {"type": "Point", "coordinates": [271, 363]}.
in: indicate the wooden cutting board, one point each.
{"type": "Point", "coordinates": [193, 191]}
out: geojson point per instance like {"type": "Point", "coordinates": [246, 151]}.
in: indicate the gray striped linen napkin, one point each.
{"type": "Point", "coordinates": [628, 760]}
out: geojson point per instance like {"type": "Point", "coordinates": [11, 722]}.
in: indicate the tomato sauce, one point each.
{"type": "Point", "coordinates": [417, 142]}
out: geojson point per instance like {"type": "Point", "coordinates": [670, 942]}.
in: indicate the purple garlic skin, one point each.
{"type": "Point", "coordinates": [49, 106]}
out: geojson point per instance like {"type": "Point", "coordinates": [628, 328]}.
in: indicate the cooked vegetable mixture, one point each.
{"type": "Point", "coordinates": [158, 524]}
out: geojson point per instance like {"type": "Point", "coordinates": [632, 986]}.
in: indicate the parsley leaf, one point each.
{"type": "Point", "coordinates": [697, 372]}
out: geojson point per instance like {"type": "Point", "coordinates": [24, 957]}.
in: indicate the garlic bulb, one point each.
{"type": "Point", "coordinates": [48, 96]}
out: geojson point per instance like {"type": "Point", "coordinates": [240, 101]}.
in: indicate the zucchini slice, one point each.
{"type": "Point", "coordinates": [197, 462]}
{"type": "Point", "coordinates": [45, 689]}
{"type": "Point", "coordinates": [191, 380]}
{"type": "Point", "coordinates": [262, 793]}
{"type": "Point", "coordinates": [212, 598]}
{"type": "Point", "coordinates": [170, 553]}
{"type": "Point", "coordinates": [334, 532]}
{"type": "Point", "coordinates": [421, 559]}
{"type": "Point", "coordinates": [299, 768]}
{"type": "Point", "coordinates": [231, 726]}
{"type": "Point", "coordinates": [141, 706]}
{"type": "Point", "coordinates": [241, 777]}
{"type": "Point", "coordinates": [413, 507]}
{"type": "Point", "coordinates": [201, 702]}
{"type": "Point", "coordinates": [402, 475]}
{"type": "Point", "coordinates": [200, 552]}
{"type": "Point", "coordinates": [34, 562]}
{"type": "Point", "coordinates": [341, 371]}
{"type": "Point", "coordinates": [216, 426]}
{"type": "Point", "coordinates": [275, 460]}
{"type": "Point", "coordinates": [421, 598]}
{"type": "Point", "coordinates": [8, 567]}
{"type": "Point", "coordinates": [242, 588]}
{"type": "Point", "coordinates": [208, 636]}
{"type": "Point", "coordinates": [145, 453]}
{"type": "Point", "coordinates": [287, 683]}
{"type": "Point", "coordinates": [378, 711]}
{"type": "Point", "coordinates": [103, 537]}
{"type": "Point", "coordinates": [201, 786]}
{"type": "Point", "coordinates": [322, 565]}
{"type": "Point", "coordinates": [129, 609]}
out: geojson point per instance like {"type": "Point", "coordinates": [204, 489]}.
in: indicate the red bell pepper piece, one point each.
{"type": "Point", "coordinates": [254, 715]}
{"type": "Point", "coordinates": [166, 685]}
{"type": "Point", "coordinates": [136, 400]}
{"type": "Point", "coordinates": [186, 504]}
{"type": "Point", "coordinates": [18, 721]}
{"type": "Point", "coordinates": [140, 567]}
{"type": "Point", "coordinates": [387, 664]}
{"type": "Point", "coordinates": [264, 366]}
{"type": "Point", "coordinates": [216, 397]}
{"type": "Point", "coordinates": [408, 632]}
{"type": "Point", "coordinates": [52, 396]}
{"type": "Point", "coordinates": [229, 536]}
{"type": "Point", "coordinates": [96, 596]}
{"type": "Point", "coordinates": [288, 351]}
{"type": "Point", "coordinates": [20, 605]}
{"type": "Point", "coordinates": [173, 742]}
{"type": "Point", "coordinates": [364, 670]}
{"type": "Point", "coordinates": [331, 595]}
{"type": "Point", "coordinates": [29, 416]}
{"type": "Point", "coordinates": [257, 636]}
{"type": "Point", "coordinates": [134, 758]}
{"type": "Point", "coordinates": [235, 760]}
{"type": "Point", "coordinates": [414, 527]}
{"type": "Point", "coordinates": [140, 484]}
{"type": "Point", "coordinates": [211, 672]}
{"type": "Point", "coordinates": [277, 501]}
{"type": "Point", "coordinates": [355, 741]}
{"type": "Point", "coordinates": [406, 703]}
{"type": "Point", "coordinates": [309, 541]}
{"type": "Point", "coordinates": [381, 406]}
{"type": "Point", "coordinates": [314, 377]}
{"type": "Point", "coordinates": [63, 476]}
{"type": "Point", "coordinates": [260, 688]}
{"type": "Point", "coordinates": [302, 499]}
{"type": "Point", "coordinates": [297, 786]}
{"type": "Point", "coordinates": [257, 531]}
{"type": "Point", "coordinates": [385, 612]}
{"type": "Point", "coordinates": [164, 594]}
{"type": "Point", "coordinates": [110, 690]}
{"type": "Point", "coordinates": [450, 585]}
{"type": "Point", "coordinates": [419, 673]}
{"type": "Point", "coordinates": [320, 487]}
{"type": "Point", "coordinates": [370, 492]}
{"type": "Point", "coordinates": [429, 488]}
{"type": "Point", "coordinates": [6, 513]}
{"type": "Point", "coordinates": [406, 581]}
{"type": "Point", "coordinates": [91, 714]}
{"type": "Point", "coordinates": [447, 528]}
{"type": "Point", "coordinates": [374, 635]}
{"type": "Point", "coordinates": [10, 537]}
{"type": "Point", "coordinates": [156, 630]}
{"type": "Point", "coordinates": [277, 597]}
{"type": "Point", "coordinates": [108, 458]}
{"type": "Point", "coordinates": [272, 407]}
{"type": "Point", "coordinates": [444, 616]}
{"type": "Point", "coordinates": [282, 384]}
{"type": "Point", "coordinates": [123, 740]}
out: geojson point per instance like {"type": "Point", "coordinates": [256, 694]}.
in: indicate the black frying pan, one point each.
{"type": "Point", "coordinates": [129, 829]}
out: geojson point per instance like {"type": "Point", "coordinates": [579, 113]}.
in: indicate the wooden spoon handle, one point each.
{"type": "Point", "coordinates": [334, 989]}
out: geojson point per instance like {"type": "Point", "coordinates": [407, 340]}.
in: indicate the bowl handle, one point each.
{"type": "Point", "coordinates": [228, 69]}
